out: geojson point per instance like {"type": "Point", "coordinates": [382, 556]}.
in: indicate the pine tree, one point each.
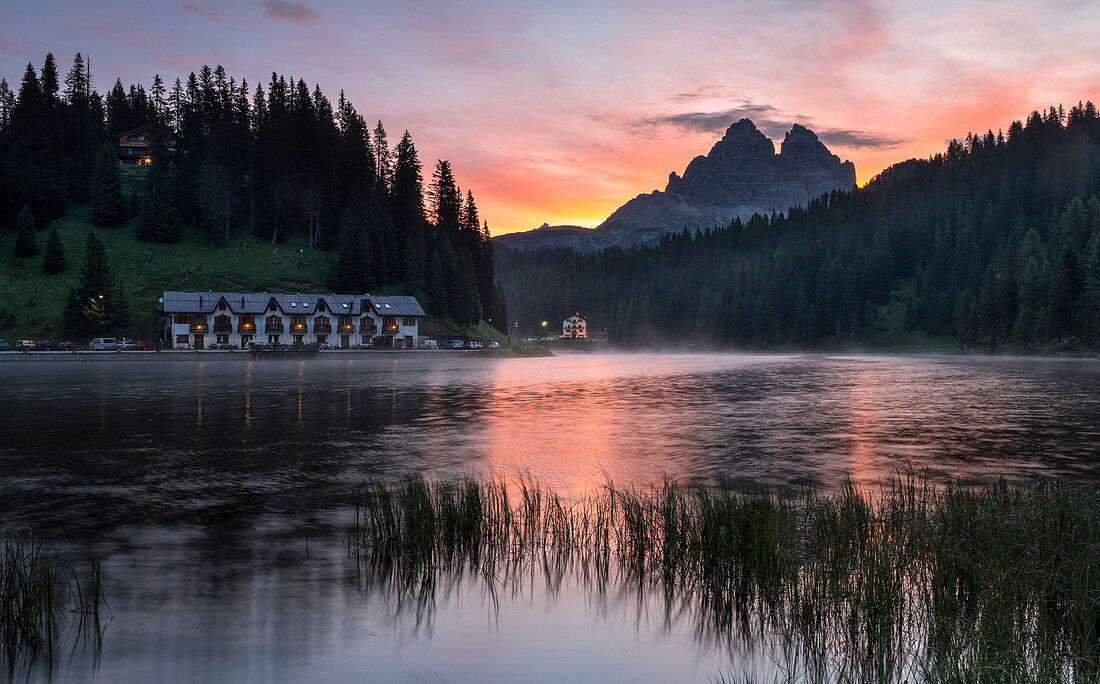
{"type": "Point", "coordinates": [436, 285]}
{"type": "Point", "coordinates": [54, 260]}
{"type": "Point", "coordinates": [158, 205]}
{"type": "Point", "coordinates": [108, 207]}
{"type": "Point", "coordinates": [25, 244]}
{"type": "Point", "coordinates": [96, 290]}
{"type": "Point", "coordinates": [446, 203]}
{"type": "Point", "coordinates": [352, 259]}
{"type": "Point", "coordinates": [383, 157]}
{"type": "Point", "coordinates": [407, 186]}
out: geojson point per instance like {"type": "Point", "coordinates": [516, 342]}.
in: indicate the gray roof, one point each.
{"type": "Point", "coordinates": [391, 305]}
{"type": "Point", "coordinates": [257, 303]}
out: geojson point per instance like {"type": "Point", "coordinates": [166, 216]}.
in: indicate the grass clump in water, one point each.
{"type": "Point", "coordinates": [40, 596]}
{"type": "Point", "coordinates": [908, 582]}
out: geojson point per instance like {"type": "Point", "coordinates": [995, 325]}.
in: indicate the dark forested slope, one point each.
{"type": "Point", "coordinates": [233, 163]}
{"type": "Point", "coordinates": [996, 240]}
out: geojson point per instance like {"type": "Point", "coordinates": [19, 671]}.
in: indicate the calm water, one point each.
{"type": "Point", "coordinates": [217, 495]}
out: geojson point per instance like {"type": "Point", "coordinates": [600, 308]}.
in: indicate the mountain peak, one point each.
{"type": "Point", "coordinates": [742, 141]}
{"type": "Point", "coordinates": [802, 145]}
{"type": "Point", "coordinates": [740, 176]}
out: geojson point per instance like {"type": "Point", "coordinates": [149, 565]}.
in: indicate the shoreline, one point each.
{"type": "Point", "coordinates": [205, 355]}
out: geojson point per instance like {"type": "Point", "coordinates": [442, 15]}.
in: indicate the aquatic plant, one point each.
{"type": "Point", "coordinates": [906, 582]}
{"type": "Point", "coordinates": [41, 596]}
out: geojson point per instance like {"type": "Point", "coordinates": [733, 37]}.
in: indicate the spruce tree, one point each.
{"type": "Point", "coordinates": [97, 290]}
{"type": "Point", "coordinates": [352, 259]}
{"type": "Point", "coordinates": [436, 285]}
{"type": "Point", "coordinates": [158, 205]}
{"type": "Point", "coordinates": [25, 244]}
{"type": "Point", "coordinates": [54, 260]}
{"type": "Point", "coordinates": [446, 203]}
{"type": "Point", "coordinates": [108, 207]}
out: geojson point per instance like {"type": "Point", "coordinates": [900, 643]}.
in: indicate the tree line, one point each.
{"type": "Point", "coordinates": [995, 240]}
{"type": "Point", "coordinates": [231, 160]}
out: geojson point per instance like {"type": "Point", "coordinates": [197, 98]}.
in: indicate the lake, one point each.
{"type": "Point", "coordinates": [218, 495]}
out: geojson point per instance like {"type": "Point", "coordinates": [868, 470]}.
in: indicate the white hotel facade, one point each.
{"type": "Point", "coordinates": [196, 320]}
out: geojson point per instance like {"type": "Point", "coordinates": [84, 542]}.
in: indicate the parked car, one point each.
{"type": "Point", "coordinates": [456, 344]}
{"type": "Point", "coordinates": [24, 345]}
{"type": "Point", "coordinates": [104, 344]}
{"type": "Point", "coordinates": [45, 345]}
{"type": "Point", "coordinates": [429, 344]}
{"type": "Point", "coordinates": [126, 344]}
{"type": "Point", "coordinates": [494, 345]}
{"type": "Point", "coordinates": [4, 346]}
{"type": "Point", "coordinates": [473, 345]}
{"type": "Point", "coordinates": [142, 345]}
{"type": "Point", "coordinates": [66, 346]}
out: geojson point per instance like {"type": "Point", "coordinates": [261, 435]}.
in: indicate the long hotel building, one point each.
{"type": "Point", "coordinates": [196, 320]}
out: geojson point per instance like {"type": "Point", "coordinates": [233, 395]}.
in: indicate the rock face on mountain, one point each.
{"type": "Point", "coordinates": [740, 176]}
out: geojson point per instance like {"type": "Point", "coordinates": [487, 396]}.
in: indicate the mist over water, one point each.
{"type": "Point", "coordinates": [218, 495]}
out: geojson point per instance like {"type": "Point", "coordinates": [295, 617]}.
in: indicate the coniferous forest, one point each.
{"type": "Point", "coordinates": [230, 159]}
{"type": "Point", "coordinates": [995, 241]}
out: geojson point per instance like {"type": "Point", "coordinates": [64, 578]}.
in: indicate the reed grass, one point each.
{"type": "Point", "coordinates": [909, 582]}
{"type": "Point", "coordinates": [41, 598]}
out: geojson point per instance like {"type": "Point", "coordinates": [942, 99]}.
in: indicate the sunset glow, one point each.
{"type": "Point", "coordinates": [561, 112]}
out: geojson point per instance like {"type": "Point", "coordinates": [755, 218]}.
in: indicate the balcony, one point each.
{"type": "Point", "coordinates": [368, 329]}
{"type": "Point", "coordinates": [298, 329]}
{"type": "Point", "coordinates": [322, 328]}
{"type": "Point", "coordinates": [225, 328]}
{"type": "Point", "coordinates": [346, 329]}
{"type": "Point", "coordinates": [389, 329]}
{"type": "Point", "coordinates": [273, 328]}
{"type": "Point", "coordinates": [199, 328]}
{"type": "Point", "coordinates": [246, 328]}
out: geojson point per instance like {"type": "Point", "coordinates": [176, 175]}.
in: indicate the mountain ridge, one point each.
{"type": "Point", "coordinates": [741, 175]}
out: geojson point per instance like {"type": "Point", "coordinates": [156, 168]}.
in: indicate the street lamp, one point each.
{"type": "Point", "coordinates": [103, 315]}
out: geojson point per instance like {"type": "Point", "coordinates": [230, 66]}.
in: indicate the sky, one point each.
{"type": "Point", "coordinates": [558, 112]}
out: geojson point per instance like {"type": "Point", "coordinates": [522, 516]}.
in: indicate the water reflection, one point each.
{"type": "Point", "coordinates": [198, 484]}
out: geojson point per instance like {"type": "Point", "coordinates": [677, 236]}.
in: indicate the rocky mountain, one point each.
{"type": "Point", "coordinates": [740, 176]}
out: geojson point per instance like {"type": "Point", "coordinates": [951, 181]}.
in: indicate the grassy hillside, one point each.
{"type": "Point", "coordinates": [31, 300]}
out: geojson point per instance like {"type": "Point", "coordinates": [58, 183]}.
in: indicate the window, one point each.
{"type": "Point", "coordinates": [274, 320]}
{"type": "Point", "coordinates": [366, 321]}
{"type": "Point", "coordinates": [181, 339]}
{"type": "Point", "coordinates": [389, 321]}
{"type": "Point", "coordinates": [322, 339]}
{"type": "Point", "coordinates": [180, 319]}
{"type": "Point", "coordinates": [221, 306]}
{"type": "Point", "coordinates": [365, 339]}
{"type": "Point", "coordinates": [409, 321]}
{"type": "Point", "coordinates": [223, 339]}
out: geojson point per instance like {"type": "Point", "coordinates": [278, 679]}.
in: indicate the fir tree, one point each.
{"type": "Point", "coordinates": [352, 259]}
{"type": "Point", "coordinates": [96, 291]}
{"type": "Point", "coordinates": [54, 259]}
{"type": "Point", "coordinates": [108, 207]}
{"type": "Point", "coordinates": [25, 244]}
{"type": "Point", "coordinates": [158, 206]}
{"type": "Point", "coordinates": [446, 202]}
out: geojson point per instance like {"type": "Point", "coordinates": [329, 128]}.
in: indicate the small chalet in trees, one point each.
{"type": "Point", "coordinates": [133, 146]}
{"type": "Point", "coordinates": [195, 320]}
{"type": "Point", "coordinates": [574, 327]}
